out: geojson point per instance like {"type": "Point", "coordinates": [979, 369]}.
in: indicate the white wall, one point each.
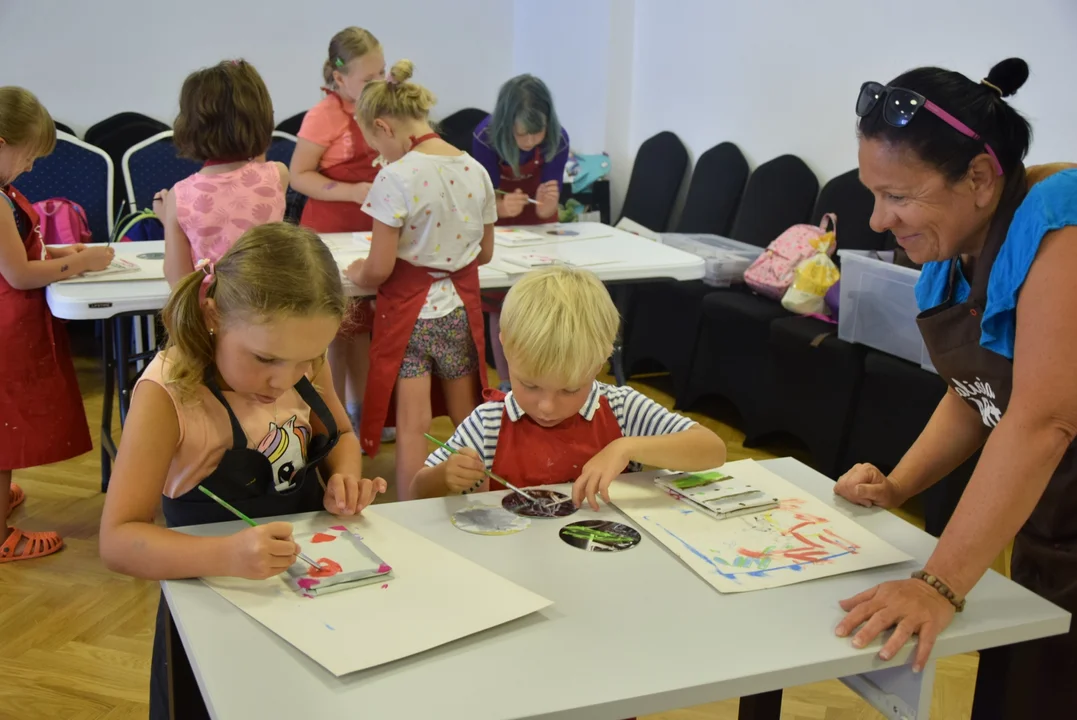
{"type": "Point", "coordinates": [782, 76]}
{"type": "Point", "coordinates": [89, 60]}
{"type": "Point", "coordinates": [776, 77]}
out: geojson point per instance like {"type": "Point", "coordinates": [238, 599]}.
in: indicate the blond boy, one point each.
{"type": "Point", "coordinates": [559, 424]}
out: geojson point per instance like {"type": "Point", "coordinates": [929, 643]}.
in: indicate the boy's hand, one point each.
{"type": "Point", "coordinates": [263, 551]}
{"type": "Point", "coordinates": [347, 494]}
{"type": "Point", "coordinates": [464, 470]}
{"type": "Point", "coordinates": [95, 258]}
{"type": "Point", "coordinates": [599, 472]}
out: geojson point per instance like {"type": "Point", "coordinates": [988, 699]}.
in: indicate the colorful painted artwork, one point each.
{"type": "Point", "coordinates": [344, 561]}
{"type": "Point", "coordinates": [801, 539]}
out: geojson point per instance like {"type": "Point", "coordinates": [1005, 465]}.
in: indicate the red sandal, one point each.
{"type": "Point", "coordinates": [16, 496]}
{"type": "Point", "coordinates": [38, 544]}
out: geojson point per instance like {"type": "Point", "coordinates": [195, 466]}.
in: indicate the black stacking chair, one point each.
{"type": "Point", "coordinates": [656, 180]}
{"type": "Point", "coordinates": [816, 375]}
{"type": "Point", "coordinates": [895, 401]}
{"type": "Point", "coordinates": [665, 315]}
{"type": "Point", "coordinates": [115, 135]}
{"type": "Point", "coordinates": [291, 125]}
{"type": "Point", "coordinates": [732, 355]}
{"type": "Point", "coordinates": [457, 129]}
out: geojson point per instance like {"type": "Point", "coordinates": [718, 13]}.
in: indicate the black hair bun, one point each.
{"type": "Point", "coordinates": [1009, 75]}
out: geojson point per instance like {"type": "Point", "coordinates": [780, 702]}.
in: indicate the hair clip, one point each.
{"type": "Point", "coordinates": [205, 266]}
{"type": "Point", "coordinates": [235, 62]}
{"type": "Point", "coordinates": [339, 63]}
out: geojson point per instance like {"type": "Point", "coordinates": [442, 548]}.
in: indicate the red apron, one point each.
{"type": "Point", "coordinates": [527, 182]}
{"type": "Point", "coordinates": [528, 454]}
{"type": "Point", "coordinates": [325, 216]}
{"type": "Point", "coordinates": [400, 300]}
{"type": "Point", "coordinates": [40, 402]}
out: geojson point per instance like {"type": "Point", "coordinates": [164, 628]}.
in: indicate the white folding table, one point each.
{"type": "Point", "coordinates": [629, 633]}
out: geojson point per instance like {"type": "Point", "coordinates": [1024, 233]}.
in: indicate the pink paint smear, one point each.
{"type": "Point", "coordinates": [307, 583]}
{"type": "Point", "coordinates": [385, 586]}
{"type": "Point", "coordinates": [341, 528]}
{"type": "Point", "coordinates": [383, 568]}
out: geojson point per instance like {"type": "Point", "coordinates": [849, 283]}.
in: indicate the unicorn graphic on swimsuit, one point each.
{"type": "Point", "coordinates": [285, 446]}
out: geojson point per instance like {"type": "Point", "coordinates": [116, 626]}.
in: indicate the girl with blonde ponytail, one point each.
{"type": "Point", "coordinates": [240, 403]}
{"type": "Point", "coordinates": [433, 209]}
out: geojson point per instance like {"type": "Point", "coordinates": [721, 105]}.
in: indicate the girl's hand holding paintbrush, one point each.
{"type": "Point", "coordinates": [262, 551]}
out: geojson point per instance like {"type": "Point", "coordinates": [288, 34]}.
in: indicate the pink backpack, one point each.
{"type": "Point", "coordinates": [772, 272]}
{"type": "Point", "coordinates": [62, 222]}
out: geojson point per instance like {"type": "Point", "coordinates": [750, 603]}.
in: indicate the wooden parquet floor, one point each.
{"type": "Point", "coordinates": [75, 639]}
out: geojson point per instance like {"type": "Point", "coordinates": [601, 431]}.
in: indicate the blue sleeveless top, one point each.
{"type": "Point", "coordinates": [1051, 204]}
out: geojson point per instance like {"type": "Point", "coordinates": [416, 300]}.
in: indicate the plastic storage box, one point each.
{"type": "Point", "coordinates": [725, 259]}
{"type": "Point", "coordinates": [878, 305]}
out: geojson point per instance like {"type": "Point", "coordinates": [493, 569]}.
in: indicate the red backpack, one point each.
{"type": "Point", "coordinates": [62, 222]}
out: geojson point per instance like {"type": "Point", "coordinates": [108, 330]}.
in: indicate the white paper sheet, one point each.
{"type": "Point", "coordinates": [435, 597]}
{"type": "Point", "coordinates": [801, 540]}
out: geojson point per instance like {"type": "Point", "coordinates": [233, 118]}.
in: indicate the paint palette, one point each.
{"type": "Point", "coordinates": [489, 520]}
{"type": "Point", "coordinates": [344, 562]}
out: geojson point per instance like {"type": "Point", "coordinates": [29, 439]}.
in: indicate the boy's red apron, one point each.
{"type": "Point", "coordinates": [527, 182]}
{"type": "Point", "coordinates": [1032, 679]}
{"type": "Point", "coordinates": [399, 302]}
{"type": "Point", "coordinates": [528, 454]}
{"type": "Point", "coordinates": [40, 403]}
{"type": "Point", "coordinates": [324, 216]}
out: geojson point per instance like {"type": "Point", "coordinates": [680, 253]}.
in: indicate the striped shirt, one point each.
{"type": "Point", "coordinates": [637, 415]}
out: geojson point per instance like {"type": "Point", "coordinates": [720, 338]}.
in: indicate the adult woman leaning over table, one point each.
{"type": "Point", "coordinates": [942, 155]}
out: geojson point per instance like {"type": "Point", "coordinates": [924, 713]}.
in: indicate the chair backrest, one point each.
{"type": "Point", "coordinates": [79, 172]}
{"type": "Point", "coordinates": [780, 193]}
{"type": "Point", "coordinates": [115, 135]}
{"type": "Point", "coordinates": [457, 129]}
{"type": "Point", "coordinates": [61, 127]}
{"type": "Point", "coordinates": [715, 190]}
{"type": "Point", "coordinates": [291, 125]}
{"type": "Point", "coordinates": [153, 165]}
{"type": "Point", "coordinates": [281, 147]}
{"type": "Point", "coordinates": [657, 175]}
{"type": "Point", "coordinates": [846, 197]}
{"type": "Point", "coordinates": [281, 150]}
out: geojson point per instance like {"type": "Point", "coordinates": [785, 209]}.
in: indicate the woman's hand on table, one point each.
{"type": "Point", "coordinates": [911, 607]}
{"type": "Point", "coordinates": [864, 484]}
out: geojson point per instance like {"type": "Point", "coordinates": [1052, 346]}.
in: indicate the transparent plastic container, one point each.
{"type": "Point", "coordinates": [878, 306]}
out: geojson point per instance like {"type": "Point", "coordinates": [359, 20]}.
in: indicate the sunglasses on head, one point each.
{"type": "Point", "coordinates": [901, 105]}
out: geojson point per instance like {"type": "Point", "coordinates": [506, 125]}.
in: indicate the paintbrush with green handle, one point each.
{"type": "Point", "coordinates": [489, 474]}
{"type": "Point", "coordinates": [247, 520]}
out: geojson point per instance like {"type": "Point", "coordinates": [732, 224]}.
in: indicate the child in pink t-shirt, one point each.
{"type": "Point", "coordinates": [225, 122]}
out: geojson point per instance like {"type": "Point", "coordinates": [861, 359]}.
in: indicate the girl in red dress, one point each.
{"type": "Point", "coordinates": [41, 415]}
{"type": "Point", "coordinates": [334, 167]}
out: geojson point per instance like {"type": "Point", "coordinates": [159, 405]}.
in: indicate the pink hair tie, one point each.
{"type": "Point", "coordinates": [205, 266]}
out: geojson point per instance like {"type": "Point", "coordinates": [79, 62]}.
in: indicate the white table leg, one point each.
{"type": "Point", "coordinates": [898, 693]}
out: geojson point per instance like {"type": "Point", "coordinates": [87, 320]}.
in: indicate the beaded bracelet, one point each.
{"type": "Point", "coordinates": [942, 588]}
